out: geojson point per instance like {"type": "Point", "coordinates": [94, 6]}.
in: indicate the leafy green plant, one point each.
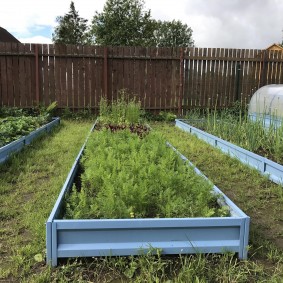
{"type": "Point", "coordinates": [16, 123]}
{"type": "Point", "coordinates": [166, 116]}
{"type": "Point", "coordinates": [12, 128]}
{"type": "Point", "coordinates": [124, 110]}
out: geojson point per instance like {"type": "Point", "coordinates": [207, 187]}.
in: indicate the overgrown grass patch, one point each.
{"type": "Point", "coordinates": [28, 201]}
{"type": "Point", "coordinates": [29, 185]}
{"type": "Point", "coordinates": [242, 131]}
{"type": "Point", "coordinates": [252, 192]}
{"type": "Point", "coordinates": [255, 194]}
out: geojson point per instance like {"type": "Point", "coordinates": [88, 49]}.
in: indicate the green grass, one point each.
{"type": "Point", "coordinates": [29, 186]}
{"type": "Point", "coordinates": [240, 130]}
{"type": "Point", "coordinates": [258, 197]}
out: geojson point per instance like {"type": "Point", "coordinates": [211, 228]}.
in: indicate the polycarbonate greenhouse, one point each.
{"type": "Point", "coordinates": [267, 104]}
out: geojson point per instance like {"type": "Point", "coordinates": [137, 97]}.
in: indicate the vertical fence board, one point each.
{"type": "Point", "coordinates": [142, 75]}
{"type": "Point", "coordinates": [9, 73]}
{"type": "Point", "coordinates": [81, 87]}
{"type": "Point", "coordinates": [99, 73]}
{"type": "Point", "coordinates": [87, 76]}
{"type": "Point", "coordinates": [51, 74]}
{"type": "Point", "coordinates": [57, 63]}
{"type": "Point", "coordinates": [3, 73]}
{"type": "Point", "coordinates": [22, 87]}
{"type": "Point", "coordinates": [76, 61]}
{"type": "Point", "coordinates": [92, 82]}
{"type": "Point", "coordinates": [45, 64]}
{"type": "Point", "coordinates": [120, 69]}
{"type": "Point", "coordinates": [63, 75]}
{"type": "Point", "coordinates": [29, 63]}
{"type": "Point", "coordinates": [15, 73]}
{"type": "Point", "coordinates": [69, 77]}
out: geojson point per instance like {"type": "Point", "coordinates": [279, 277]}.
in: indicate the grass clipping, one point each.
{"type": "Point", "coordinates": [125, 176]}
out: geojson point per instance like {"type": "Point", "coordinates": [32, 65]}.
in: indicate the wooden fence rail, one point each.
{"type": "Point", "coordinates": [162, 78]}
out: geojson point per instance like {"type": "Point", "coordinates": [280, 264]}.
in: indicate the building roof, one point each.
{"type": "Point", "coordinates": [5, 36]}
{"type": "Point", "coordinates": [274, 46]}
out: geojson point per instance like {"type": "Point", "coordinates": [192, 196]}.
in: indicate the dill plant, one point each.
{"type": "Point", "coordinates": [129, 177]}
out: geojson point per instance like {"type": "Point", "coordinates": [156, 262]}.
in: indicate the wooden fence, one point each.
{"type": "Point", "coordinates": [162, 78]}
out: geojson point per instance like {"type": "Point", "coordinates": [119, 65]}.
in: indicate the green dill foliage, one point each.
{"type": "Point", "coordinates": [129, 177]}
{"type": "Point", "coordinates": [124, 110]}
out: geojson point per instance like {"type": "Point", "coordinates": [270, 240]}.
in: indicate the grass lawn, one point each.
{"type": "Point", "coordinates": [31, 181]}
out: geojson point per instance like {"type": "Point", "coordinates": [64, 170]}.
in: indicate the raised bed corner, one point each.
{"type": "Point", "coordinates": [17, 145]}
{"type": "Point", "coordinates": [121, 237]}
{"type": "Point", "coordinates": [267, 167]}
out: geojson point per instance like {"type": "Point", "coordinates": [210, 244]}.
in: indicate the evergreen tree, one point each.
{"type": "Point", "coordinates": [71, 29]}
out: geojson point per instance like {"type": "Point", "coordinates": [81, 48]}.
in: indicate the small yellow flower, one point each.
{"type": "Point", "coordinates": [132, 214]}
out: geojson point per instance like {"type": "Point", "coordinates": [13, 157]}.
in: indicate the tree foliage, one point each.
{"type": "Point", "coordinates": [71, 28]}
{"type": "Point", "coordinates": [123, 22]}
{"type": "Point", "coordinates": [173, 33]}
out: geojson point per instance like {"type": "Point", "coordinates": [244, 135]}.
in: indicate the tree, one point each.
{"type": "Point", "coordinates": [71, 29]}
{"type": "Point", "coordinates": [124, 23]}
{"type": "Point", "coordinates": [174, 34]}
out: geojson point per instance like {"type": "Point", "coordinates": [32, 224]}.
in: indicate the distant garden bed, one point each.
{"type": "Point", "coordinates": [260, 134]}
{"type": "Point", "coordinates": [271, 169]}
{"type": "Point", "coordinates": [19, 127]}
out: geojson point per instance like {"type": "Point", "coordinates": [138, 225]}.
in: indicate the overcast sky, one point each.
{"type": "Point", "coordinates": [254, 24]}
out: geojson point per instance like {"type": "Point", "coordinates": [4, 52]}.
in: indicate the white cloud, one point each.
{"type": "Point", "coordinates": [35, 39]}
{"type": "Point", "coordinates": [215, 23]}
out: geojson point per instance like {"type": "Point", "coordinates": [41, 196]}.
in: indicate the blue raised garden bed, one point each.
{"type": "Point", "coordinates": [17, 145]}
{"type": "Point", "coordinates": [266, 120]}
{"type": "Point", "coordinates": [118, 237]}
{"type": "Point", "coordinates": [267, 167]}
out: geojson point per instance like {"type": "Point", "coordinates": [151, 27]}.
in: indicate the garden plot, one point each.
{"type": "Point", "coordinates": [273, 170]}
{"type": "Point", "coordinates": [18, 128]}
{"type": "Point", "coordinates": [21, 137]}
{"type": "Point", "coordinates": [135, 194]}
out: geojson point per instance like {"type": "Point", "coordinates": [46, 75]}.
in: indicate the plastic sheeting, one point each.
{"type": "Point", "coordinates": [267, 104]}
